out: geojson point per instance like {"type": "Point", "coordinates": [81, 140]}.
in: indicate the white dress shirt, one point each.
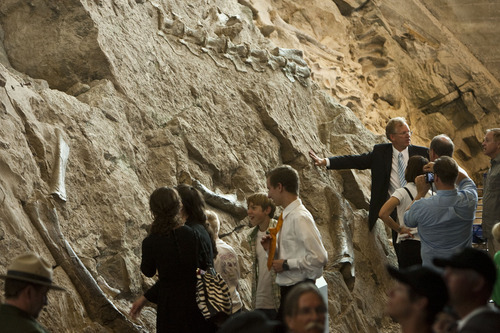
{"type": "Point", "coordinates": [299, 242]}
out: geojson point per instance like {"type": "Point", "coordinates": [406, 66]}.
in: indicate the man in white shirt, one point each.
{"type": "Point", "coordinates": [470, 276]}
{"type": "Point", "coordinates": [300, 255]}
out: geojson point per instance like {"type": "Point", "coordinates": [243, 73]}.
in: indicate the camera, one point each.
{"type": "Point", "coordinates": [429, 177]}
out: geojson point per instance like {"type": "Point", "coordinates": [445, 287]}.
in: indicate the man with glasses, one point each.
{"type": "Point", "coordinates": [387, 162]}
{"type": "Point", "coordinates": [305, 309]}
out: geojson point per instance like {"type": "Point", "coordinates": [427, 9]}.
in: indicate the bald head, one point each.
{"type": "Point", "coordinates": [441, 145]}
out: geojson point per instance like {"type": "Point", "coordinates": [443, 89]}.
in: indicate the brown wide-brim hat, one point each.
{"type": "Point", "coordinates": [30, 267]}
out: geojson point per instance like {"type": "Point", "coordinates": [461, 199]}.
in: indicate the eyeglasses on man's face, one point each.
{"type": "Point", "coordinates": [404, 133]}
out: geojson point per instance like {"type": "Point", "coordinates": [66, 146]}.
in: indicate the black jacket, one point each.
{"type": "Point", "coordinates": [379, 160]}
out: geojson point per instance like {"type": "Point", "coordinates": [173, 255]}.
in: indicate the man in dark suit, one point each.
{"type": "Point", "coordinates": [383, 160]}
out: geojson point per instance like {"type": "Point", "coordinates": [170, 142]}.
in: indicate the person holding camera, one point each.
{"type": "Point", "coordinates": [444, 221]}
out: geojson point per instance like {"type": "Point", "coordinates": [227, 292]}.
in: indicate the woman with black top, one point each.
{"type": "Point", "coordinates": [172, 250]}
{"type": "Point", "coordinates": [193, 211]}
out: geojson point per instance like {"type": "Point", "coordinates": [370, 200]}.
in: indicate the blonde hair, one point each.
{"type": "Point", "coordinates": [496, 231]}
{"type": "Point", "coordinates": [213, 222]}
{"type": "Point", "coordinates": [262, 200]}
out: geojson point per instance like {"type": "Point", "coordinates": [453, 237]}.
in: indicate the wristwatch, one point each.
{"type": "Point", "coordinates": [285, 265]}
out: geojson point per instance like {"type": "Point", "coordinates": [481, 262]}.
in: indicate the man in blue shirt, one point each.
{"type": "Point", "coordinates": [444, 220]}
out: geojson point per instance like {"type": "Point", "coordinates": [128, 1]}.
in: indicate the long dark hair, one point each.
{"type": "Point", "coordinates": [165, 205]}
{"type": "Point", "coordinates": [194, 207]}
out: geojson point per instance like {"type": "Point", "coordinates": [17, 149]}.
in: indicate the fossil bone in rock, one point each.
{"type": "Point", "coordinates": [58, 186]}
{"type": "Point", "coordinates": [275, 62]}
{"type": "Point", "coordinates": [241, 50]}
{"type": "Point", "coordinates": [218, 44]}
{"type": "Point", "coordinates": [197, 36]}
{"type": "Point", "coordinates": [291, 54]}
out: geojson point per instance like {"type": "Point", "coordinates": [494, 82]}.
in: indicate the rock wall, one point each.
{"type": "Point", "coordinates": [215, 93]}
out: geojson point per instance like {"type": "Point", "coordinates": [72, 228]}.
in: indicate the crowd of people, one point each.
{"type": "Point", "coordinates": [430, 208]}
{"type": "Point", "coordinates": [426, 199]}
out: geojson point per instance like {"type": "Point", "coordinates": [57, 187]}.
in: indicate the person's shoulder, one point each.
{"type": "Point", "coordinates": [489, 319]}
{"type": "Point", "coordinates": [399, 193]}
{"type": "Point", "coordinates": [184, 229]}
{"type": "Point", "coordinates": [380, 146]}
{"type": "Point", "coordinates": [302, 214]}
{"type": "Point", "coordinates": [418, 149]}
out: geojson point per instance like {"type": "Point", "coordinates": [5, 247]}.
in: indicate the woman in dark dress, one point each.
{"type": "Point", "coordinates": [171, 249]}
{"type": "Point", "coordinates": [193, 211]}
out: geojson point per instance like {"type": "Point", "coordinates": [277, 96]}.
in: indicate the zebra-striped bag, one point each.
{"type": "Point", "coordinates": [212, 294]}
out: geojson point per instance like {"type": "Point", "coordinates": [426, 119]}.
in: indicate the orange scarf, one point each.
{"type": "Point", "coordinates": [273, 232]}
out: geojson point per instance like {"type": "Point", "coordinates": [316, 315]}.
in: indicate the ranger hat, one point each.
{"type": "Point", "coordinates": [30, 267]}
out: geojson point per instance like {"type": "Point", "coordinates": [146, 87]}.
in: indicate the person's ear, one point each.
{"type": "Point", "coordinates": [421, 303]}
{"type": "Point", "coordinates": [29, 291]}
{"type": "Point", "coordinates": [267, 211]}
{"type": "Point", "coordinates": [478, 283]}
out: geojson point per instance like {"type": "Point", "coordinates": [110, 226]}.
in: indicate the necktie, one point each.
{"type": "Point", "coordinates": [401, 170]}
{"type": "Point", "coordinates": [273, 232]}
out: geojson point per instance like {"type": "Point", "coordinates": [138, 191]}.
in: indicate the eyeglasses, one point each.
{"type": "Point", "coordinates": [404, 133]}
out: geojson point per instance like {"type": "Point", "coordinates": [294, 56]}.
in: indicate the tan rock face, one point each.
{"type": "Point", "coordinates": [216, 93]}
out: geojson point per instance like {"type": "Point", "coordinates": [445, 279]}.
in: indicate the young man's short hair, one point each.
{"type": "Point", "coordinates": [286, 176]}
{"type": "Point", "coordinates": [262, 200]}
{"type": "Point", "coordinates": [446, 169]}
{"type": "Point", "coordinates": [390, 128]}
{"type": "Point", "coordinates": [496, 231]}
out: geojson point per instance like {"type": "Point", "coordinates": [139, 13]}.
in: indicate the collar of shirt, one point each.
{"type": "Point", "coordinates": [406, 154]}
{"type": "Point", "coordinates": [294, 204]}
{"type": "Point", "coordinates": [464, 320]}
{"type": "Point", "coordinates": [496, 159]}
{"type": "Point", "coordinates": [447, 193]}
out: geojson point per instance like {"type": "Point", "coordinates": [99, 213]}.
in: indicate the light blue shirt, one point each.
{"type": "Point", "coordinates": [444, 221]}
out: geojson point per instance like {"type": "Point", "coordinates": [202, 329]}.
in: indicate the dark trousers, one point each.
{"type": "Point", "coordinates": [284, 290]}
{"type": "Point", "coordinates": [409, 253]}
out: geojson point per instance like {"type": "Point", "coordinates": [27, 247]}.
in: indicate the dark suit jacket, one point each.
{"type": "Point", "coordinates": [379, 160]}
